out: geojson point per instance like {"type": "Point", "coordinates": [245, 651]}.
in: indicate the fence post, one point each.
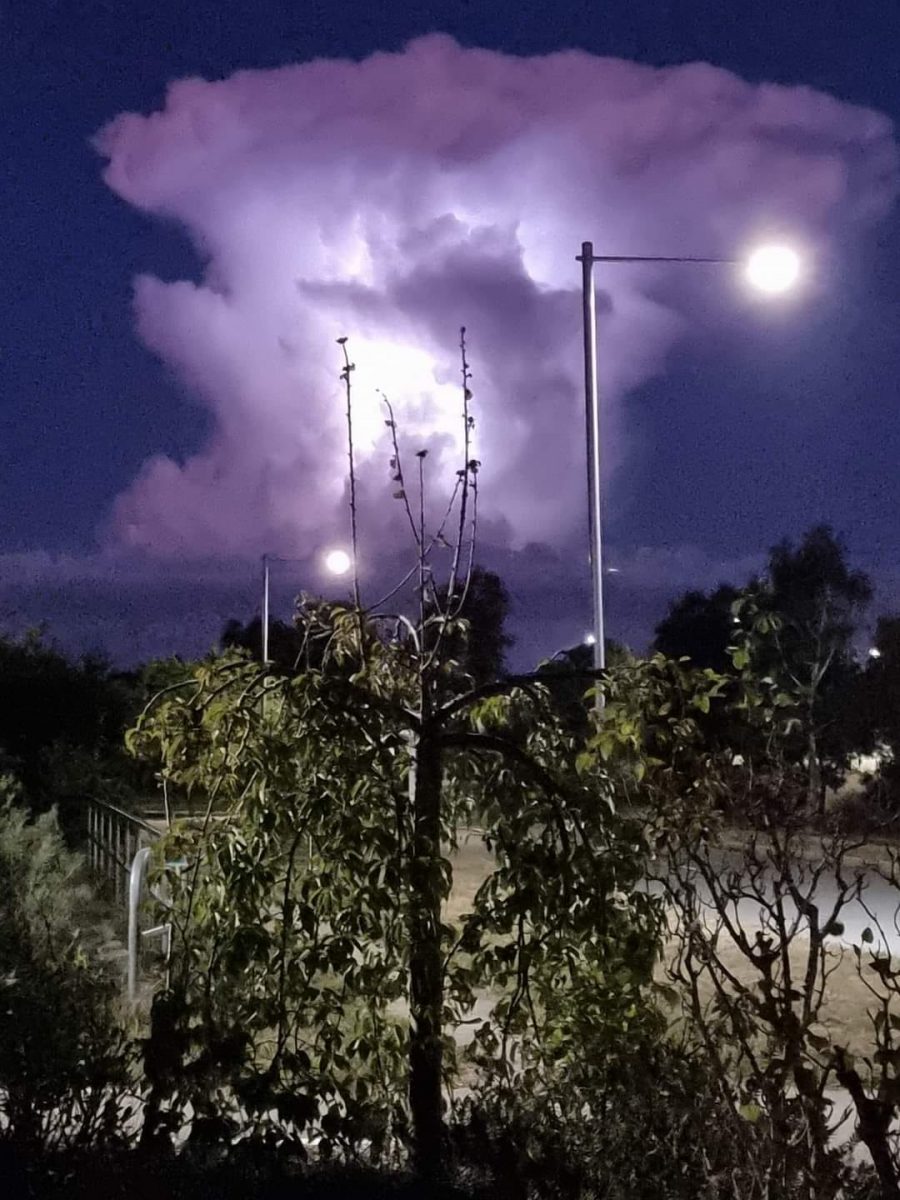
{"type": "Point", "coordinates": [135, 888]}
{"type": "Point", "coordinates": [115, 837]}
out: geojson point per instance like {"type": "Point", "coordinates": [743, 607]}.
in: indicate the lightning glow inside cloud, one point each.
{"type": "Point", "coordinates": [393, 200]}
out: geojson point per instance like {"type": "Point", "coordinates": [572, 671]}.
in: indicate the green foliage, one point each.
{"type": "Point", "coordinates": [646, 1119]}
{"type": "Point", "coordinates": [159, 674]}
{"type": "Point", "coordinates": [562, 928]}
{"type": "Point", "coordinates": [249, 1170]}
{"type": "Point", "coordinates": [63, 1057]}
{"type": "Point", "coordinates": [652, 734]}
{"type": "Point", "coordinates": [788, 633]}
{"type": "Point", "coordinates": [566, 676]}
{"type": "Point", "coordinates": [299, 915]}
{"type": "Point", "coordinates": [286, 642]}
{"type": "Point", "coordinates": [279, 895]}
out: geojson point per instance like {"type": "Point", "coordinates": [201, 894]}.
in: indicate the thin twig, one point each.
{"type": "Point", "coordinates": [463, 508]}
{"type": "Point", "coordinates": [345, 376]}
{"type": "Point", "coordinates": [399, 478]}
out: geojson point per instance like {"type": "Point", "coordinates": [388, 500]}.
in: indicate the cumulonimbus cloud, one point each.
{"type": "Point", "coordinates": [393, 200]}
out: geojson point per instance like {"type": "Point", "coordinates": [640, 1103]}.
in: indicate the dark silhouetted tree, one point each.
{"type": "Point", "coordinates": [810, 603]}
{"type": "Point", "coordinates": [699, 626]}
{"type": "Point", "coordinates": [285, 642]}
{"type": "Point", "coordinates": [481, 647]}
{"type": "Point", "coordinates": [881, 707]}
{"type": "Point", "coordinates": [567, 678]}
{"type": "Point", "coordinates": [62, 723]}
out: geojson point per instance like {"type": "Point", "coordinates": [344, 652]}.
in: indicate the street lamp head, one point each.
{"type": "Point", "coordinates": [338, 562]}
{"type": "Point", "coordinates": [773, 268]}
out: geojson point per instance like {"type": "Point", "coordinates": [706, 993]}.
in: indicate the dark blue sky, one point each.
{"type": "Point", "coordinates": [736, 445]}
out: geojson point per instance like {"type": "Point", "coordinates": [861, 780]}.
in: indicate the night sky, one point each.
{"type": "Point", "coordinates": [153, 443]}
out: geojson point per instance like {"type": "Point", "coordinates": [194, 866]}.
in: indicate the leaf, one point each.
{"type": "Point", "coordinates": [867, 935]}
{"type": "Point", "coordinates": [606, 745]}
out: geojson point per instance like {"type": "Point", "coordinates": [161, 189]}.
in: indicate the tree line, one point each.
{"type": "Point", "coordinates": [809, 609]}
{"type": "Point", "coordinates": [62, 722]}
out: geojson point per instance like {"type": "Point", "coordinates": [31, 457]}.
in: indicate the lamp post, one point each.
{"type": "Point", "coordinates": [265, 610]}
{"type": "Point", "coordinates": [770, 269]}
{"type": "Point", "coordinates": [336, 562]}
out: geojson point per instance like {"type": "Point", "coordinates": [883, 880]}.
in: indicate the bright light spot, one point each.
{"type": "Point", "coordinates": [874, 652]}
{"type": "Point", "coordinates": [337, 562]}
{"type": "Point", "coordinates": [406, 374]}
{"type": "Point", "coordinates": [589, 639]}
{"type": "Point", "coordinates": [612, 571]}
{"type": "Point", "coordinates": [773, 269]}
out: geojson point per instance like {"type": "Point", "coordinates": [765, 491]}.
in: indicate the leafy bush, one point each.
{"type": "Point", "coordinates": [299, 925]}
{"type": "Point", "coordinates": [236, 1173]}
{"type": "Point", "coordinates": [63, 1054]}
{"type": "Point", "coordinates": [648, 1120]}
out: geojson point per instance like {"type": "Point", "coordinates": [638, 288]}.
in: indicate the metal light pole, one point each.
{"type": "Point", "coordinates": [587, 258]}
{"type": "Point", "coordinates": [265, 609]}
{"type": "Point", "coordinates": [336, 562]}
{"type": "Point", "coordinates": [592, 428]}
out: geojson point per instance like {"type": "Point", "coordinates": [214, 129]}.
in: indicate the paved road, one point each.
{"type": "Point", "coordinates": [876, 909]}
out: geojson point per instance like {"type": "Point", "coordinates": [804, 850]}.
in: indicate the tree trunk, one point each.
{"type": "Point", "coordinates": [874, 1117]}
{"type": "Point", "coordinates": [426, 983]}
{"type": "Point", "coordinates": [816, 793]}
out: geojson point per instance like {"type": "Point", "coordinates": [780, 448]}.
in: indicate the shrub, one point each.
{"type": "Point", "coordinates": [63, 1054]}
{"type": "Point", "coordinates": [648, 1120]}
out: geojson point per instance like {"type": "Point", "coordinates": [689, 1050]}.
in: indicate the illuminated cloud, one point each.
{"type": "Point", "coordinates": [393, 200]}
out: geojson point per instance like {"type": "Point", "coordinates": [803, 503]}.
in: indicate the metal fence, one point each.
{"type": "Point", "coordinates": [114, 837]}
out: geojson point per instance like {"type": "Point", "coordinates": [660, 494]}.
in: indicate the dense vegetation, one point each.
{"type": "Point", "coordinates": [635, 999]}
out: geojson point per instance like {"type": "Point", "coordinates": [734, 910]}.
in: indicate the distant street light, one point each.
{"type": "Point", "coordinates": [773, 269]}
{"type": "Point", "coordinates": [770, 269]}
{"type": "Point", "coordinates": [336, 562]}
{"type": "Point", "coordinates": [874, 652]}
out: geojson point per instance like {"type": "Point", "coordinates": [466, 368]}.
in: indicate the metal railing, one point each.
{"type": "Point", "coordinates": [119, 856]}
{"type": "Point", "coordinates": [114, 837]}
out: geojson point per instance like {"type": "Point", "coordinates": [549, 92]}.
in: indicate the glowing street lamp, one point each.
{"type": "Point", "coordinates": [771, 269]}
{"type": "Point", "coordinates": [336, 562]}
